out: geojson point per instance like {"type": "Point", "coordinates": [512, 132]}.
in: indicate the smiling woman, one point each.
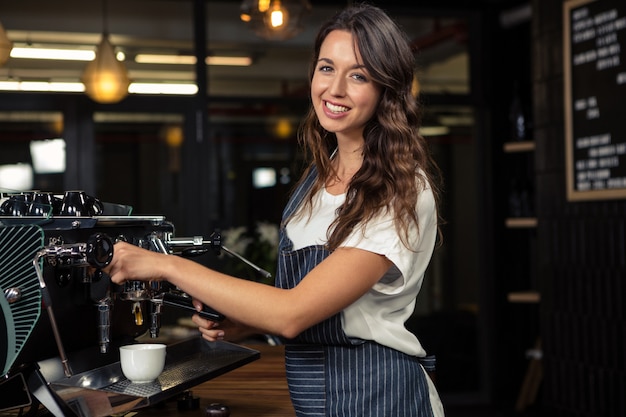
{"type": "Point", "coordinates": [352, 254]}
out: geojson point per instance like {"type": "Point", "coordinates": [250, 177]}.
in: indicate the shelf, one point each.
{"type": "Point", "coordinates": [521, 222]}
{"type": "Point", "coordinates": [531, 297]}
{"type": "Point", "coordinates": [520, 146]}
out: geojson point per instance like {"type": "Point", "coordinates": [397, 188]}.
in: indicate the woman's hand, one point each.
{"type": "Point", "coordinates": [224, 330]}
{"type": "Point", "coordinates": [207, 327]}
{"type": "Point", "coordinates": [131, 262]}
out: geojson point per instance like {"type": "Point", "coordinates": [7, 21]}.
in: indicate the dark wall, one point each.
{"type": "Point", "coordinates": [514, 325]}
{"type": "Point", "coordinates": [581, 255]}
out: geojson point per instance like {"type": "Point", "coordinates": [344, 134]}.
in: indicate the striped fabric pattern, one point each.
{"type": "Point", "coordinates": [330, 374]}
{"type": "Point", "coordinates": [366, 380]}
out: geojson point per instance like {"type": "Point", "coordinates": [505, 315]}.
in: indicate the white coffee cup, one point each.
{"type": "Point", "coordinates": [143, 362]}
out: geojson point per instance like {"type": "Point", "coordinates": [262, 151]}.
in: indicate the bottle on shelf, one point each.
{"type": "Point", "coordinates": [520, 198]}
{"type": "Point", "coordinates": [517, 116]}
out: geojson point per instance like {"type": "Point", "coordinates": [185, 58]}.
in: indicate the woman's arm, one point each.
{"type": "Point", "coordinates": [338, 281]}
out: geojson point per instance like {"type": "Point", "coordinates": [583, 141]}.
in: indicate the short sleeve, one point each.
{"type": "Point", "coordinates": [380, 236]}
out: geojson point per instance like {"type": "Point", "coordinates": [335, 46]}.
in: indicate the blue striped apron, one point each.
{"type": "Point", "coordinates": [330, 374]}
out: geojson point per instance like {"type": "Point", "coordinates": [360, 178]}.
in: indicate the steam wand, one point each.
{"type": "Point", "coordinates": [47, 302]}
{"type": "Point", "coordinates": [197, 245]}
{"type": "Point", "coordinates": [261, 271]}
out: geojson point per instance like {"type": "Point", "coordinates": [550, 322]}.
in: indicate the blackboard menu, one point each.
{"type": "Point", "coordinates": [595, 98]}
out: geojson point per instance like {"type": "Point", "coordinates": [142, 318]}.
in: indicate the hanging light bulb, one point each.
{"type": "Point", "coordinates": [105, 78]}
{"type": "Point", "coordinates": [275, 19]}
{"type": "Point", "coordinates": [277, 16]}
{"type": "Point", "coordinates": [5, 46]}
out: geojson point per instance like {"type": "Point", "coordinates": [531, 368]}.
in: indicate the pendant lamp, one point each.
{"type": "Point", "coordinates": [275, 19]}
{"type": "Point", "coordinates": [105, 78]}
{"type": "Point", "coordinates": [5, 46]}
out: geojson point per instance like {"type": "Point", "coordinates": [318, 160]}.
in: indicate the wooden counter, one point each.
{"type": "Point", "coordinates": [258, 389]}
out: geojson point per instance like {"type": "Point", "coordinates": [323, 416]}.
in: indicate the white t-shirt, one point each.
{"type": "Point", "coordinates": [380, 314]}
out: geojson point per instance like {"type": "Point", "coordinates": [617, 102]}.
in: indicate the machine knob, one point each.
{"type": "Point", "coordinates": [99, 250]}
{"type": "Point", "coordinates": [13, 294]}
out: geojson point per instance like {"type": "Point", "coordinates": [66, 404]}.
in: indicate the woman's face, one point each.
{"type": "Point", "coordinates": [342, 92]}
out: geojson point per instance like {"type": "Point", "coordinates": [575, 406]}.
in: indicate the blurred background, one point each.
{"type": "Point", "coordinates": [211, 144]}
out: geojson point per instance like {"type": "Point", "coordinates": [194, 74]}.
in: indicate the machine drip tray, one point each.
{"type": "Point", "coordinates": [104, 391]}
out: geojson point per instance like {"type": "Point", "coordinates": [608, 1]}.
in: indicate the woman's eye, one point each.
{"type": "Point", "coordinates": [359, 77]}
{"type": "Point", "coordinates": [325, 68]}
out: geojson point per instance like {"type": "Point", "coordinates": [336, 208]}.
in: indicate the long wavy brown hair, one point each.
{"type": "Point", "coordinates": [397, 164]}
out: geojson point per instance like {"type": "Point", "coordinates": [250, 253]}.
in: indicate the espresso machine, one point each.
{"type": "Point", "coordinates": [62, 320]}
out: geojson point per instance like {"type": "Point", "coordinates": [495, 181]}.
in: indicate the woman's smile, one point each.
{"type": "Point", "coordinates": [335, 110]}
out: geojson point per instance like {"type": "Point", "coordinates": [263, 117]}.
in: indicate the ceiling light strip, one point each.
{"type": "Point", "coordinates": [165, 59]}
{"type": "Point", "coordinates": [89, 55]}
{"type": "Point", "coordinates": [69, 87]}
{"type": "Point", "coordinates": [163, 88]}
{"type": "Point", "coordinates": [49, 53]}
{"type": "Point", "coordinates": [235, 61]}
{"type": "Point", "coordinates": [57, 87]}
